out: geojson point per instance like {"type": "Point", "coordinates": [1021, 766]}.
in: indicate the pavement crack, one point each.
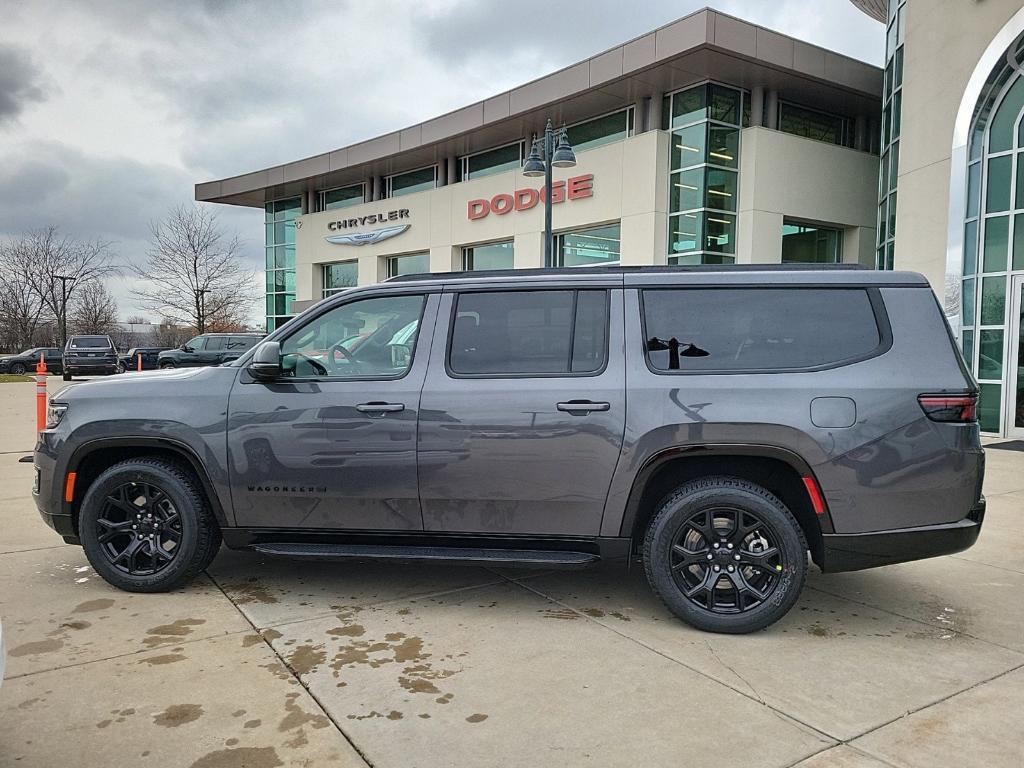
{"type": "Point", "coordinates": [737, 674]}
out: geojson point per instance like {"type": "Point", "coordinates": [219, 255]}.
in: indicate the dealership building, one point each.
{"type": "Point", "coordinates": [710, 140]}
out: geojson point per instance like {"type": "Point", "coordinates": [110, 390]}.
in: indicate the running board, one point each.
{"type": "Point", "coordinates": [538, 558]}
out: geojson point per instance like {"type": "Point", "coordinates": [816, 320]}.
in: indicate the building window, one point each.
{"type": "Point", "coordinates": [591, 247]}
{"type": "Point", "coordinates": [342, 197]}
{"type": "Point", "coordinates": [338, 277]}
{"type": "Point", "coordinates": [889, 161]}
{"type": "Point", "coordinates": [412, 181]}
{"type": "Point", "coordinates": [279, 221]}
{"type": "Point", "coordinates": [488, 256]}
{"type": "Point", "coordinates": [409, 264]}
{"type": "Point", "coordinates": [505, 158]}
{"type": "Point", "coordinates": [704, 173]}
{"type": "Point", "coordinates": [813, 124]}
{"type": "Point", "coordinates": [809, 244]}
{"type": "Point", "coordinates": [601, 130]}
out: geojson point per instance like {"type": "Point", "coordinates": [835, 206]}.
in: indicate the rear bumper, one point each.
{"type": "Point", "coordinates": [856, 551]}
{"type": "Point", "coordinates": [91, 368]}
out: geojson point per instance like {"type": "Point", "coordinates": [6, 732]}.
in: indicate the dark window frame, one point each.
{"type": "Point", "coordinates": [457, 294]}
{"type": "Point", "coordinates": [874, 299]}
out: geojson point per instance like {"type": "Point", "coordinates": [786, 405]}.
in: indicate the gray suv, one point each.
{"type": "Point", "coordinates": [718, 424]}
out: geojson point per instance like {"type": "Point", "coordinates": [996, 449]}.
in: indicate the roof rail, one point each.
{"type": "Point", "coordinates": [619, 270]}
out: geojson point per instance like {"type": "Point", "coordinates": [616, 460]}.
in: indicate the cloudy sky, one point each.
{"type": "Point", "coordinates": [110, 111]}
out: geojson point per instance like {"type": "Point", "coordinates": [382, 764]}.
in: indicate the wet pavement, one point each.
{"type": "Point", "coordinates": [264, 663]}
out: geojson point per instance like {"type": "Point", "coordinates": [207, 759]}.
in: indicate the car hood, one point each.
{"type": "Point", "coordinates": [164, 383]}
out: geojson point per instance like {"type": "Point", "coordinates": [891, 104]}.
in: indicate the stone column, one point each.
{"type": "Point", "coordinates": [771, 108]}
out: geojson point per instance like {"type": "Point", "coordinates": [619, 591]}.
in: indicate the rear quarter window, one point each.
{"type": "Point", "coordinates": [757, 329]}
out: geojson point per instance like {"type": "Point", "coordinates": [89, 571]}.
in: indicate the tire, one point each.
{"type": "Point", "coordinates": [121, 368]}
{"type": "Point", "coordinates": [66, 376]}
{"type": "Point", "coordinates": [18, 369]}
{"type": "Point", "coordinates": [756, 536]}
{"type": "Point", "coordinates": [164, 366]}
{"type": "Point", "coordinates": [131, 560]}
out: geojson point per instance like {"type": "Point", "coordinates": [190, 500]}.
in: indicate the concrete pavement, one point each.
{"type": "Point", "coordinates": [267, 662]}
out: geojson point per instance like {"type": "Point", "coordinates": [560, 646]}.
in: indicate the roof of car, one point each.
{"type": "Point", "coordinates": [233, 333]}
{"type": "Point", "coordinates": [774, 274]}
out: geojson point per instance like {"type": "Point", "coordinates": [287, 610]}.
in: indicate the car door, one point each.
{"type": "Point", "coordinates": [522, 413]}
{"type": "Point", "coordinates": [54, 361]}
{"type": "Point", "coordinates": [214, 351]}
{"type": "Point", "coordinates": [331, 444]}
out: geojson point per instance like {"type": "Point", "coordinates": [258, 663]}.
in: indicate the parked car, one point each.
{"type": "Point", "coordinates": [89, 355]}
{"type": "Point", "coordinates": [130, 360]}
{"type": "Point", "coordinates": [716, 424]}
{"type": "Point", "coordinates": [209, 349]}
{"type": "Point", "coordinates": [26, 361]}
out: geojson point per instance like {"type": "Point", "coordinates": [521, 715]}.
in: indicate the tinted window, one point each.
{"type": "Point", "coordinates": [371, 338]}
{"type": "Point", "coordinates": [196, 343]}
{"type": "Point", "coordinates": [756, 328]}
{"type": "Point", "coordinates": [529, 332]}
{"type": "Point", "coordinates": [240, 343]}
{"type": "Point", "coordinates": [90, 342]}
{"type": "Point", "coordinates": [216, 343]}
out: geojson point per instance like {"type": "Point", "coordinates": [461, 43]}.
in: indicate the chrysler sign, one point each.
{"type": "Point", "coordinates": [525, 199]}
{"type": "Point", "coordinates": [374, 235]}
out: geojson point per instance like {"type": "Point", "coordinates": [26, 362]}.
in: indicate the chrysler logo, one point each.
{"type": "Point", "coordinates": [364, 238]}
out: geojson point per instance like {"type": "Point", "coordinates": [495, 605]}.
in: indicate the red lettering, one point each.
{"type": "Point", "coordinates": [526, 199]}
{"type": "Point", "coordinates": [502, 204]}
{"type": "Point", "coordinates": [557, 193]}
{"type": "Point", "coordinates": [478, 209]}
{"type": "Point", "coordinates": [581, 186]}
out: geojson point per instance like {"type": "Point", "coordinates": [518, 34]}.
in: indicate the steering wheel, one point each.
{"type": "Point", "coordinates": [348, 356]}
{"type": "Point", "coordinates": [320, 368]}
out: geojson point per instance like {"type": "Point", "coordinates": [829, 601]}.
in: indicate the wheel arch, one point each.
{"type": "Point", "coordinates": [91, 459]}
{"type": "Point", "coordinates": [779, 470]}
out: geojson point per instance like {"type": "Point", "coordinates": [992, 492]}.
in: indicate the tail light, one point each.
{"type": "Point", "coordinates": [957, 409]}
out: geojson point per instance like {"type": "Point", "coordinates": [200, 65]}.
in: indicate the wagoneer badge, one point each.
{"type": "Point", "coordinates": [363, 238]}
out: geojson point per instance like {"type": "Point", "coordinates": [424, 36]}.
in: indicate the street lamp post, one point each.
{"type": "Point", "coordinates": [64, 280]}
{"type": "Point", "coordinates": [201, 306]}
{"type": "Point", "coordinates": [546, 154]}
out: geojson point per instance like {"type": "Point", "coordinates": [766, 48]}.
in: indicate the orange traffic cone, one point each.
{"type": "Point", "coordinates": [41, 394]}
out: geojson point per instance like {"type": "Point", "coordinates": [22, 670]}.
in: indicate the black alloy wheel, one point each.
{"type": "Point", "coordinates": [18, 369]}
{"type": "Point", "coordinates": [146, 525]}
{"type": "Point", "coordinates": [725, 555]}
{"type": "Point", "coordinates": [726, 560]}
{"type": "Point", "coordinates": [140, 529]}
{"type": "Point", "coordinates": [165, 365]}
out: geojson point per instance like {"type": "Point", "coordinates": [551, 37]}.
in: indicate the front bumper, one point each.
{"type": "Point", "coordinates": [856, 551]}
{"type": "Point", "coordinates": [49, 499]}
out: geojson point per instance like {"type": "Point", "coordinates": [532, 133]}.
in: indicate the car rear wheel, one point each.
{"type": "Point", "coordinates": [121, 368]}
{"type": "Point", "coordinates": [146, 526]}
{"type": "Point", "coordinates": [66, 376]}
{"type": "Point", "coordinates": [725, 555]}
{"type": "Point", "coordinates": [165, 365]}
{"type": "Point", "coordinates": [18, 369]}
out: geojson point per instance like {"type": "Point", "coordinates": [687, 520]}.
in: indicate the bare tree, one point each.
{"type": "Point", "coordinates": [56, 267]}
{"type": "Point", "coordinates": [21, 307]}
{"type": "Point", "coordinates": [168, 335]}
{"type": "Point", "coordinates": [193, 274]}
{"type": "Point", "coordinates": [94, 310]}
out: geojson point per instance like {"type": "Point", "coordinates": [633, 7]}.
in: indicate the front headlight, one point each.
{"type": "Point", "coordinates": [54, 413]}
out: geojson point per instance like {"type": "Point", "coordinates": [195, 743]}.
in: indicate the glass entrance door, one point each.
{"type": "Point", "coordinates": [1015, 361]}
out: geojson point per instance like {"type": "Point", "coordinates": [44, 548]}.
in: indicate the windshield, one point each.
{"type": "Point", "coordinates": [90, 342]}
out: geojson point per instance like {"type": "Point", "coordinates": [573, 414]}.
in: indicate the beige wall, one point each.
{"type": "Point", "coordinates": [782, 175]}
{"type": "Point", "coordinates": [944, 41]}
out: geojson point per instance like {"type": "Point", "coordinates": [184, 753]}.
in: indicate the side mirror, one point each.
{"type": "Point", "coordinates": [266, 361]}
{"type": "Point", "coordinates": [186, 348]}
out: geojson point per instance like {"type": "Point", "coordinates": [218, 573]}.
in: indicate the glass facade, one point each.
{"type": "Point", "coordinates": [810, 244]}
{"type": "Point", "coordinates": [588, 247]}
{"type": "Point", "coordinates": [505, 158]}
{"type": "Point", "coordinates": [409, 264]}
{"type": "Point", "coordinates": [488, 256]}
{"type": "Point", "coordinates": [338, 277]}
{"type": "Point", "coordinates": [705, 126]}
{"type": "Point", "coordinates": [413, 181]}
{"type": "Point", "coordinates": [279, 221]}
{"type": "Point", "coordinates": [601, 130]}
{"type": "Point", "coordinates": [889, 162]}
{"type": "Point", "coordinates": [342, 197]}
{"type": "Point", "coordinates": [813, 124]}
{"type": "Point", "coordinates": [993, 259]}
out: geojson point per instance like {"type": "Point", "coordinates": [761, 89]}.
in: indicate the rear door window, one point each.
{"type": "Point", "coordinates": [757, 329]}
{"type": "Point", "coordinates": [528, 333]}
{"type": "Point", "coordinates": [216, 343]}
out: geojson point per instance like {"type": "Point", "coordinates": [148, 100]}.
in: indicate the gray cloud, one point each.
{"type": "Point", "coordinates": [20, 82]}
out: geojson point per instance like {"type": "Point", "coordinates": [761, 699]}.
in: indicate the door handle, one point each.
{"type": "Point", "coordinates": [582, 406]}
{"type": "Point", "coordinates": [380, 408]}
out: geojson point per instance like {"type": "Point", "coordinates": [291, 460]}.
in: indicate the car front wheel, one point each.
{"type": "Point", "coordinates": [725, 555]}
{"type": "Point", "coordinates": [146, 526]}
{"type": "Point", "coordinates": [18, 369]}
{"type": "Point", "coordinates": [165, 365]}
